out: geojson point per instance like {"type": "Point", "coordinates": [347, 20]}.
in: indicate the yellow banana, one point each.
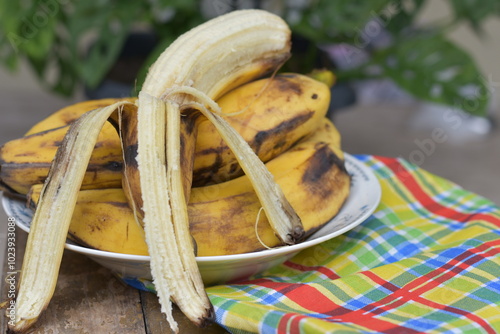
{"type": "Point", "coordinates": [311, 174]}
{"type": "Point", "coordinates": [71, 113]}
{"type": "Point", "coordinates": [26, 161]}
{"type": "Point", "coordinates": [270, 114]}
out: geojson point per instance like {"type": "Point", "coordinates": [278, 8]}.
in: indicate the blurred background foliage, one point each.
{"type": "Point", "coordinates": [73, 44]}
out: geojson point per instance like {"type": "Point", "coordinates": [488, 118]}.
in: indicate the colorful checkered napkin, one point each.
{"type": "Point", "coordinates": [427, 261]}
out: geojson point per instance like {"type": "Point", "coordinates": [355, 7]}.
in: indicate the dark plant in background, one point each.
{"type": "Point", "coordinates": [421, 60]}
{"type": "Point", "coordinates": [69, 43]}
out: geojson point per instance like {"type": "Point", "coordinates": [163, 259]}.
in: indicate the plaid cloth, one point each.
{"type": "Point", "coordinates": [426, 261]}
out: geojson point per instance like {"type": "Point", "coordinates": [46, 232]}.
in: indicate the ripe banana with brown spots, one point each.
{"type": "Point", "coordinates": [222, 216]}
{"type": "Point", "coordinates": [26, 161]}
{"type": "Point", "coordinates": [270, 114]}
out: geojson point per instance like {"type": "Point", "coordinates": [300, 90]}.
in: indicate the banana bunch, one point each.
{"type": "Point", "coordinates": [208, 160]}
{"type": "Point", "coordinates": [270, 114]}
{"type": "Point", "coordinates": [311, 174]}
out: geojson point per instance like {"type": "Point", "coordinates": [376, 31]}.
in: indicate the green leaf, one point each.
{"type": "Point", "coordinates": [105, 49]}
{"type": "Point", "coordinates": [325, 20]}
{"type": "Point", "coordinates": [399, 16]}
{"type": "Point", "coordinates": [184, 5]}
{"type": "Point", "coordinates": [38, 45]}
{"type": "Point", "coordinates": [434, 69]}
{"type": "Point", "coordinates": [475, 11]}
{"type": "Point", "coordinates": [66, 80]}
{"type": "Point", "coordinates": [11, 13]}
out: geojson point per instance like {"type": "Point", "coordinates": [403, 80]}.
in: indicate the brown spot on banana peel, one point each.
{"type": "Point", "coordinates": [130, 180]}
{"type": "Point", "coordinates": [288, 85]}
{"type": "Point", "coordinates": [208, 175]}
{"type": "Point", "coordinates": [41, 133]}
{"type": "Point", "coordinates": [74, 237]}
{"type": "Point", "coordinates": [56, 143]}
{"type": "Point", "coordinates": [19, 177]}
{"type": "Point", "coordinates": [188, 130]}
{"type": "Point", "coordinates": [130, 156]}
{"type": "Point", "coordinates": [283, 128]}
{"type": "Point", "coordinates": [114, 166]}
{"type": "Point", "coordinates": [118, 204]}
{"type": "Point", "coordinates": [190, 118]}
{"type": "Point", "coordinates": [321, 163]}
{"type": "Point", "coordinates": [6, 188]}
{"type": "Point", "coordinates": [212, 174]}
{"type": "Point", "coordinates": [265, 67]}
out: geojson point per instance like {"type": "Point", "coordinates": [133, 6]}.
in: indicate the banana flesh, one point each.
{"type": "Point", "coordinates": [311, 174]}
{"type": "Point", "coordinates": [270, 114]}
{"type": "Point", "coordinates": [164, 216]}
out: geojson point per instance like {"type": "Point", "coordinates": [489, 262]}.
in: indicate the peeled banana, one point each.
{"type": "Point", "coordinates": [311, 174]}
{"type": "Point", "coordinates": [271, 115]}
{"type": "Point", "coordinates": [200, 66]}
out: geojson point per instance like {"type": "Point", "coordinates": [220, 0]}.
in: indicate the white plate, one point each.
{"type": "Point", "coordinates": [134, 269]}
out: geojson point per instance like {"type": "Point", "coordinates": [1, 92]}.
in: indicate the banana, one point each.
{"type": "Point", "coordinates": [311, 174]}
{"type": "Point", "coordinates": [26, 161]}
{"type": "Point", "coordinates": [271, 114]}
{"type": "Point", "coordinates": [71, 113]}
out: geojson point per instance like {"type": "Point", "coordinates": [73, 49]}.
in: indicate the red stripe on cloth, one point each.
{"type": "Point", "coordinates": [430, 277]}
{"type": "Point", "coordinates": [290, 323]}
{"type": "Point", "coordinates": [406, 292]}
{"type": "Point", "coordinates": [405, 177]}
{"type": "Point", "coordinates": [324, 270]}
{"type": "Point", "coordinates": [380, 281]}
{"type": "Point", "coordinates": [455, 310]}
{"type": "Point", "coordinates": [460, 263]}
{"type": "Point", "coordinates": [403, 295]}
{"type": "Point", "coordinates": [434, 278]}
{"type": "Point", "coordinates": [314, 301]}
{"type": "Point", "coordinates": [303, 294]}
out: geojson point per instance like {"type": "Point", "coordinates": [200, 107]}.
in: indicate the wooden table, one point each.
{"type": "Point", "coordinates": [89, 299]}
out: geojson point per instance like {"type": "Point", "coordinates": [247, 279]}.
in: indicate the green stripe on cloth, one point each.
{"type": "Point", "coordinates": [426, 261]}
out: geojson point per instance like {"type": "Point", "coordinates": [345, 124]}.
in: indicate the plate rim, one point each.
{"type": "Point", "coordinates": [273, 252]}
